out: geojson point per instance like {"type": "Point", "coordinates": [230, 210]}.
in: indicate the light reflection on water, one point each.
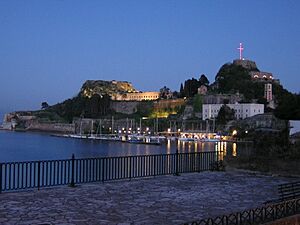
{"type": "Point", "coordinates": [20, 146]}
{"type": "Point", "coordinates": [234, 149]}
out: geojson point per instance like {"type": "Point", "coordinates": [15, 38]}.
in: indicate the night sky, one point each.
{"type": "Point", "coordinates": [49, 48]}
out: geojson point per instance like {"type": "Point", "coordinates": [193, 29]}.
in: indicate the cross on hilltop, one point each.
{"type": "Point", "coordinates": [241, 50]}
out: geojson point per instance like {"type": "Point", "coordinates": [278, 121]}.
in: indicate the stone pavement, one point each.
{"type": "Point", "coordinates": [159, 200]}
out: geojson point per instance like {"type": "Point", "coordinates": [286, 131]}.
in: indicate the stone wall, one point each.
{"type": "Point", "coordinates": [51, 127]}
{"type": "Point", "coordinates": [221, 98]}
{"type": "Point", "coordinates": [292, 220]}
{"type": "Point", "coordinates": [247, 64]}
{"type": "Point", "coordinates": [168, 103]}
{"type": "Point", "coordinates": [127, 107]}
{"type": "Point", "coordinates": [130, 107]}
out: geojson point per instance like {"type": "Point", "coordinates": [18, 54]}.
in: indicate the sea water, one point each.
{"type": "Point", "coordinates": [24, 146]}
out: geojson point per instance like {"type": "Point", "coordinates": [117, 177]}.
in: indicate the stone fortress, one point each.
{"type": "Point", "coordinates": [258, 76]}
{"type": "Point", "coordinates": [213, 103]}
{"type": "Point", "coordinates": [117, 90]}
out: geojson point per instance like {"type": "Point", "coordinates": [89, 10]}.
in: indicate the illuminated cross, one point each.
{"type": "Point", "coordinates": [241, 49]}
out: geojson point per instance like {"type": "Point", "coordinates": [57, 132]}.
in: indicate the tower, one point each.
{"type": "Point", "coordinates": [268, 92]}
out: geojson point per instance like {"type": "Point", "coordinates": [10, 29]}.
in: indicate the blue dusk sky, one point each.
{"type": "Point", "coordinates": [49, 48]}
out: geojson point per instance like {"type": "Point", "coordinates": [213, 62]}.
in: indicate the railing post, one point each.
{"type": "Point", "coordinates": [0, 178]}
{"type": "Point", "coordinates": [198, 161]}
{"type": "Point", "coordinates": [102, 167]}
{"type": "Point", "coordinates": [217, 162]}
{"type": "Point", "coordinates": [39, 174]}
{"type": "Point", "coordinates": [129, 167]}
{"type": "Point", "coordinates": [154, 166]}
{"type": "Point", "coordinates": [177, 162]}
{"type": "Point", "coordinates": [72, 184]}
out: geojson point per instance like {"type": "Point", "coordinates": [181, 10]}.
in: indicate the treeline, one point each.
{"type": "Point", "coordinates": [190, 87]}
{"type": "Point", "coordinates": [288, 106]}
{"type": "Point", "coordinates": [81, 106]}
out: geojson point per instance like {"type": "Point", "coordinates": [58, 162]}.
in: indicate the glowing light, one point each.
{"type": "Point", "coordinates": [234, 132]}
{"type": "Point", "coordinates": [234, 149]}
{"type": "Point", "coordinates": [241, 50]}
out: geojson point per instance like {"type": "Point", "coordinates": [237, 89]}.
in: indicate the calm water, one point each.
{"type": "Point", "coordinates": [21, 146]}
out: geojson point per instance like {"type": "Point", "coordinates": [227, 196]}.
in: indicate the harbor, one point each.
{"type": "Point", "coordinates": [24, 146]}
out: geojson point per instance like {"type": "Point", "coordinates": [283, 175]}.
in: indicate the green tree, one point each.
{"type": "Point", "coordinates": [191, 87]}
{"type": "Point", "coordinates": [233, 78]}
{"type": "Point", "coordinates": [181, 92]}
{"type": "Point", "coordinates": [225, 114]}
{"type": "Point", "coordinates": [45, 105]}
{"type": "Point", "coordinates": [288, 107]}
{"type": "Point", "coordinates": [203, 80]}
{"type": "Point", "coordinates": [197, 103]}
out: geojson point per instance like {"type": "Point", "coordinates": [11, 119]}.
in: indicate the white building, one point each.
{"type": "Point", "coordinates": [242, 111]}
{"type": "Point", "coordinates": [294, 126]}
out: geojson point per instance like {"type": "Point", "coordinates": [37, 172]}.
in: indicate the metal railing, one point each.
{"type": "Point", "coordinates": [38, 174]}
{"type": "Point", "coordinates": [260, 215]}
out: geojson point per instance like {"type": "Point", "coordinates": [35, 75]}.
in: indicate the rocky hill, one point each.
{"type": "Point", "coordinates": [101, 88]}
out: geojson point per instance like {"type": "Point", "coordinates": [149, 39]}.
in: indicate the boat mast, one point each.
{"type": "Point", "coordinates": [140, 125]}
{"type": "Point", "coordinates": [112, 125]}
{"type": "Point", "coordinates": [80, 126]}
{"type": "Point", "coordinates": [92, 125]}
{"type": "Point", "coordinates": [100, 124]}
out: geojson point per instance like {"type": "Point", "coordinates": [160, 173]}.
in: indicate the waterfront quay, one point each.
{"type": "Point", "coordinates": [155, 200]}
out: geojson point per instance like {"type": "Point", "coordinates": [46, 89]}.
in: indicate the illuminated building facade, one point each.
{"type": "Point", "coordinates": [241, 111]}
{"type": "Point", "coordinates": [268, 92]}
{"type": "Point", "coordinates": [137, 96]}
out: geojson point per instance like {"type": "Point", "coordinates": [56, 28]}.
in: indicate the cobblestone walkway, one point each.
{"type": "Point", "coordinates": [159, 200]}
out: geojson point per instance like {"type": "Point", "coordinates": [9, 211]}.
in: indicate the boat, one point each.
{"type": "Point", "coordinates": [145, 140]}
{"type": "Point", "coordinates": [209, 140]}
{"type": "Point", "coordinates": [186, 139]}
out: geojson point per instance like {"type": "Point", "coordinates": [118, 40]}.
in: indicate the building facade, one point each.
{"type": "Point", "coordinates": [137, 96]}
{"type": "Point", "coordinates": [242, 111]}
{"type": "Point", "coordinates": [255, 75]}
{"type": "Point", "coordinates": [268, 92]}
{"type": "Point", "coordinates": [202, 90]}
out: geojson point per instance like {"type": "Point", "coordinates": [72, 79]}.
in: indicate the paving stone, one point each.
{"type": "Point", "coordinates": [160, 200]}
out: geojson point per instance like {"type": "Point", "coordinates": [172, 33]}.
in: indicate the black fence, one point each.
{"type": "Point", "coordinates": [260, 215]}
{"type": "Point", "coordinates": [37, 174]}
